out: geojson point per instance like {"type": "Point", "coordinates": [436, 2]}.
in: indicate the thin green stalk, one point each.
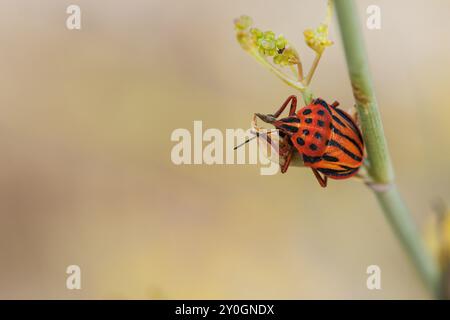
{"type": "Point", "coordinates": [380, 166]}
{"type": "Point", "coordinates": [313, 68]}
{"type": "Point", "coordinates": [399, 217]}
{"type": "Point", "coordinates": [307, 95]}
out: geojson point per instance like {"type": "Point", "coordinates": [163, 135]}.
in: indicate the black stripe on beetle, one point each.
{"type": "Point", "coordinates": [329, 158]}
{"type": "Point", "coordinates": [351, 122]}
{"type": "Point", "coordinates": [337, 173]}
{"type": "Point", "coordinates": [328, 108]}
{"type": "Point", "coordinates": [310, 159]}
{"type": "Point", "coordinates": [347, 167]}
{"type": "Point", "coordinates": [339, 121]}
{"type": "Point", "coordinates": [343, 149]}
{"type": "Point", "coordinates": [336, 130]}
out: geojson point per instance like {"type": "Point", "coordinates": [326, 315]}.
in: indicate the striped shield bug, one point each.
{"type": "Point", "coordinates": [326, 137]}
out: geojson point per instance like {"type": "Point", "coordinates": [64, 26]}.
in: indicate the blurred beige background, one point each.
{"type": "Point", "coordinates": [85, 170]}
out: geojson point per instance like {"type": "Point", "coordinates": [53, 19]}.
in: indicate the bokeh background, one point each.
{"type": "Point", "coordinates": [86, 176]}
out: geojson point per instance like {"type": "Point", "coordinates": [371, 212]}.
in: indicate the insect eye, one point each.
{"type": "Point", "coordinates": [289, 128]}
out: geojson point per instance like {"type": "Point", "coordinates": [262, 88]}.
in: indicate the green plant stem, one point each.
{"type": "Point", "coordinates": [288, 80]}
{"type": "Point", "coordinates": [313, 68]}
{"type": "Point", "coordinates": [399, 217]}
{"type": "Point", "coordinates": [380, 167]}
{"type": "Point", "coordinates": [307, 95]}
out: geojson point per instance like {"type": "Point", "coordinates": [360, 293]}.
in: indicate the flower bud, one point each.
{"type": "Point", "coordinates": [243, 22]}
{"type": "Point", "coordinates": [269, 35]}
{"type": "Point", "coordinates": [281, 42]}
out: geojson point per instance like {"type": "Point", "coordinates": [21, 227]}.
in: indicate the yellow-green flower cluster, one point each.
{"type": "Point", "coordinates": [266, 43]}
{"type": "Point", "coordinates": [318, 39]}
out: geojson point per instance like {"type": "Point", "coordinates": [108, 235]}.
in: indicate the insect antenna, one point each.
{"type": "Point", "coordinates": [265, 118]}
{"type": "Point", "coordinates": [246, 141]}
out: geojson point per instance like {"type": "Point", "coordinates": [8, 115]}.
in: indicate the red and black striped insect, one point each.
{"type": "Point", "coordinates": [326, 137]}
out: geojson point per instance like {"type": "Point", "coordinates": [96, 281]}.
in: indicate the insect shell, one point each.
{"type": "Point", "coordinates": [326, 137]}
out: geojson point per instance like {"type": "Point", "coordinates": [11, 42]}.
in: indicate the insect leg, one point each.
{"type": "Point", "coordinates": [335, 104]}
{"type": "Point", "coordinates": [287, 160]}
{"type": "Point", "coordinates": [287, 153]}
{"type": "Point", "coordinates": [322, 180]}
{"type": "Point", "coordinates": [293, 100]}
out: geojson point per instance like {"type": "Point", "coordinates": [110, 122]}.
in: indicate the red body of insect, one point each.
{"type": "Point", "coordinates": [328, 138]}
